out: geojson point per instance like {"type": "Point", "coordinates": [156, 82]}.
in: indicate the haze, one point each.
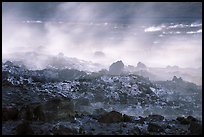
{"type": "Point", "coordinates": [157, 34]}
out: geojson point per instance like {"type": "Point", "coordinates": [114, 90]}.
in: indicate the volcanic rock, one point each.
{"type": "Point", "coordinates": [154, 118]}
{"type": "Point", "coordinates": [116, 68]}
{"type": "Point", "coordinates": [183, 120]}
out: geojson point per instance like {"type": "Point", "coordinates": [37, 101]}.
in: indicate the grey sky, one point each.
{"type": "Point", "coordinates": [121, 10]}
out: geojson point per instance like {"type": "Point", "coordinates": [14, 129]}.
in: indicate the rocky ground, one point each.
{"type": "Point", "coordinates": [71, 102]}
{"type": "Point", "coordinates": [36, 122]}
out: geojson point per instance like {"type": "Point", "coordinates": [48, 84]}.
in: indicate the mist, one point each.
{"type": "Point", "coordinates": [99, 33]}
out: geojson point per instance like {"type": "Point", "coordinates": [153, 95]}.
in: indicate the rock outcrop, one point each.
{"type": "Point", "coordinates": [177, 79]}
{"type": "Point", "coordinates": [141, 66]}
{"type": "Point", "coordinates": [116, 68]}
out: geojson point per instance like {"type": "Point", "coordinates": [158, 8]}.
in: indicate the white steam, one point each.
{"type": "Point", "coordinates": [80, 33]}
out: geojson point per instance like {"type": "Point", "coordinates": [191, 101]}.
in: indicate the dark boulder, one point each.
{"type": "Point", "coordinates": [114, 117]}
{"type": "Point", "coordinates": [152, 127]}
{"type": "Point", "coordinates": [195, 128]}
{"type": "Point", "coordinates": [183, 120]}
{"type": "Point", "coordinates": [111, 117]}
{"type": "Point", "coordinates": [191, 119]}
{"type": "Point", "coordinates": [127, 118]}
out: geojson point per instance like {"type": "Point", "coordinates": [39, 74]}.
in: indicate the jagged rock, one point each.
{"type": "Point", "coordinates": [183, 120]}
{"type": "Point", "coordinates": [174, 78]}
{"type": "Point", "coordinates": [134, 131]}
{"type": "Point", "coordinates": [24, 128]}
{"type": "Point", "coordinates": [116, 68]}
{"type": "Point", "coordinates": [191, 119]}
{"type": "Point", "coordinates": [187, 120]}
{"type": "Point", "coordinates": [154, 118]}
{"type": "Point", "coordinates": [10, 113]}
{"type": "Point", "coordinates": [9, 63]}
{"type": "Point", "coordinates": [57, 103]}
{"type": "Point", "coordinates": [152, 127]}
{"type": "Point", "coordinates": [127, 118]}
{"type": "Point", "coordinates": [111, 117]}
{"type": "Point", "coordinates": [177, 79]}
